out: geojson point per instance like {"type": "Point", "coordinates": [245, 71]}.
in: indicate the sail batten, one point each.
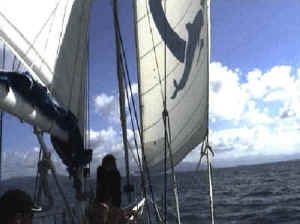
{"type": "Point", "coordinates": [186, 41]}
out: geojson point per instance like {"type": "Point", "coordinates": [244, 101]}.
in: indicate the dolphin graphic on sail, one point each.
{"type": "Point", "coordinates": [183, 50]}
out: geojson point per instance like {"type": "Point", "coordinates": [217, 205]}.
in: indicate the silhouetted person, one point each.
{"type": "Point", "coordinates": [108, 189]}
{"type": "Point", "coordinates": [16, 207]}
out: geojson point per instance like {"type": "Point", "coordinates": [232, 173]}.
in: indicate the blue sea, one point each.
{"type": "Point", "coordinates": [268, 193]}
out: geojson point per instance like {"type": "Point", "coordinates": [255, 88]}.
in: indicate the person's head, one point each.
{"type": "Point", "coordinates": [16, 207]}
{"type": "Point", "coordinates": [109, 162]}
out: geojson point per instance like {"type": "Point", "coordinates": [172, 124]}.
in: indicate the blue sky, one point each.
{"type": "Point", "coordinates": [254, 85]}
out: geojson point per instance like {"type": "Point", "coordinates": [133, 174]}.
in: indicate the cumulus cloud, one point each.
{"type": "Point", "coordinates": [107, 107]}
{"type": "Point", "coordinates": [227, 99]}
{"type": "Point", "coordinates": [262, 113]}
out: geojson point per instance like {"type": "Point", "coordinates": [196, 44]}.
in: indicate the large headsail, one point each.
{"type": "Point", "coordinates": [181, 32]}
{"type": "Point", "coordinates": [49, 38]}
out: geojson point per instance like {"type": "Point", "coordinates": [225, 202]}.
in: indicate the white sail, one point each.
{"type": "Point", "coordinates": [183, 29]}
{"type": "Point", "coordinates": [41, 34]}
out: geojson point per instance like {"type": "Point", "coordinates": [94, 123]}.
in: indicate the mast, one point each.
{"type": "Point", "coordinates": [121, 95]}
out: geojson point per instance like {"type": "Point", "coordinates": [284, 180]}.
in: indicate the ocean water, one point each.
{"type": "Point", "coordinates": [268, 193]}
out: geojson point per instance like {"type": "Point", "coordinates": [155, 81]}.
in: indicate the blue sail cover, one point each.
{"type": "Point", "coordinates": [71, 152]}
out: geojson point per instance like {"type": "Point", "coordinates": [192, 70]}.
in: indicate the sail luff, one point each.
{"type": "Point", "coordinates": [71, 65]}
{"type": "Point", "coordinates": [141, 103]}
{"type": "Point", "coordinates": [208, 59]}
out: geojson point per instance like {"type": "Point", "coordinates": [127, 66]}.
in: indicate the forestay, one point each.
{"type": "Point", "coordinates": [50, 39]}
{"type": "Point", "coordinates": [183, 29]}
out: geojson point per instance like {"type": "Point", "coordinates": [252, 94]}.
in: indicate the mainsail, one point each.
{"type": "Point", "coordinates": [50, 39]}
{"type": "Point", "coordinates": [35, 31]}
{"type": "Point", "coordinates": [172, 43]}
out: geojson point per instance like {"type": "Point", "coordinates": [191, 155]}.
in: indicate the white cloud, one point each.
{"type": "Point", "coordinates": [107, 107]}
{"type": "Point", "coordinates": [262, 114]}
{"type": "Point", "coordinates": [227, 99]}
{"type": "Point", "coordinates": [276, 95]}
{"type": "Point", "coordinates": [255, 116]}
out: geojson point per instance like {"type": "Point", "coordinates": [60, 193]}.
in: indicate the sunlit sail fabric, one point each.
{"type": "Point", "coordinates": [183, 29]}
{"type": "Point", "coordinates": [49, 38]}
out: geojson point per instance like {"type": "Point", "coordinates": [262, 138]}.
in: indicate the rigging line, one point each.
{"type": "Point", "coordinates": [125, 64]}
{"type": "Point", "coordinates": [43, 168]}
{"type": "Point", "coordinates": [128, 82]}
{"type": "Point", "coordinates": [132, 123]}
{"type": "Point", "coordinates": [139, 131]}
{"type": "Point", "coordinates": [37, 35]}
{"type": "Point", "coordinates": [52, 168]}
{"type": "Point", "coordinates": [153, 44]}
{"type": "Point", "coordinates": [165, 115]}
{"type": "Point", "coordinates": [145, 163]}
{"type": "Point", "coordinates": [48, 36]}
{"type": "Point", "coordinates": [37, 178]}
{"type": "Point", "coordinates": [168, 135]}
{"type": "Point", "coordinates": [122, 96]}
{"type": "Point", "coordinates": [143, 154]}
{"type": "Point", "coordinates": [3, 55]}
{"type": "Point", "coordinates": [211, 202]}
{"type": "Point", "coordinates": [175, 191]}
{"type": "Point", "coordinates": [135, 159]}
{"type": "Point", "coordinates": [62, 28]}
{"type": "Point", "coordinates": [139, 161]}
{"type": "Point", "coordinates": [207, 139]}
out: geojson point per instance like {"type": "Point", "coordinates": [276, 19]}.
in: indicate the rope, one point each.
{"type": "Point", "coordinates": [45, 151]}
{"type": "Point", "coordinates": [205, 149]}
{"type": "Point", "coordinates": [165, 115]}
{"type": "Point", "coordinates": [43, 167]}
{"type": "Point", "coordinates": [37, 179]}
{"type": "Point", "coordinates": [175, 191]}
{"type": "Point", "coordinates": [134, 157]}
{"type": "Point", "coordinates": [211, 202]}
{"type": "Point", "coordinates": [122, 98]}
{"type": "Point", "coordinates": [143, 154]}
{"type": "Point", "coordinates": [143, 182]}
